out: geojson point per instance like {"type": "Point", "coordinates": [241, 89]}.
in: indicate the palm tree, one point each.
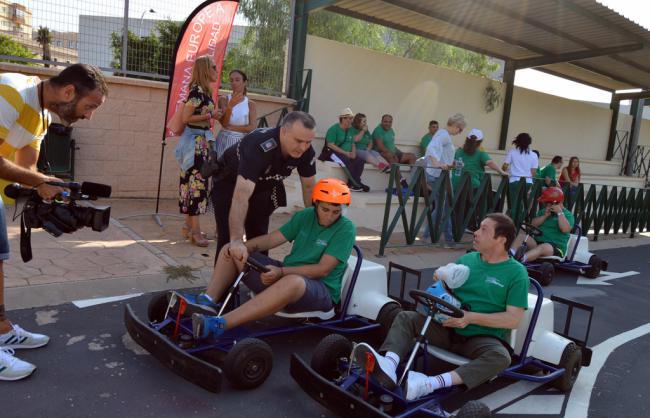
{"type": "Point", "coordinates": [44, 38]}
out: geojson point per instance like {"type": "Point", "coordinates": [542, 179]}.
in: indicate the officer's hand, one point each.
{"type": "Point", "coordinates": [47, 191]}
{"type": "Point", "coordinates": [238, 251]}
{"type": "Point", "coordinates": [273, 275]}
{"type": "Point", "coordinates": [458, 322]}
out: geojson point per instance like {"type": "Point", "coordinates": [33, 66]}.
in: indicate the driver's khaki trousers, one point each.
{"type": "Point", "coordinates": [488, 355]}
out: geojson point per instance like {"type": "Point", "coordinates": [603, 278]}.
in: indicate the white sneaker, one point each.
{"type": "Point", "coordinates": [416, 385]}
{"type": "Point", "coordinates": [12, 368]}
{"type": "Point", "coordinates": [19, 338]}
{"type": "Point", "coordinates": [384, 370]}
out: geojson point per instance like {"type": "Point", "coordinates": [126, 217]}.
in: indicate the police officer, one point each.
{"type": "Point", "coordinates": [249, 187]}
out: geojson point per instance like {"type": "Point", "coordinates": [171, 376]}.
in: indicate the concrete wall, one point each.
{"type": "Point", "coordinates": [414, 92]}
{"type": "Point", "coordinates": [121, 145]}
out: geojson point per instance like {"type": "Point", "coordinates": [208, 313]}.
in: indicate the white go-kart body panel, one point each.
{"type": "Point", "coordinates": [582, 254]}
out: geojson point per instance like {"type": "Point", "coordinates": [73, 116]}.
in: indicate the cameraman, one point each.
{"type": "Point", "coordinates": [25, 102]}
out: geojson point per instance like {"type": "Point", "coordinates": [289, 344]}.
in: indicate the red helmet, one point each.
{"type": "Point", "coordinates": [551, 195]}
{"type": "Point", "coordinates": [331, 191]}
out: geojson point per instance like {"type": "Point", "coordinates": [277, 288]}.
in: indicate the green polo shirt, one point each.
{"type": "Point", "coordinates": [489, 289]}
{"type": "Point", "coordinates": [386, 137]}
{"type": "Point", "coordinates": [473, 164]}
{"type": "Point", "coordinates": [547, 171]}
{"type": "Point", "coordinates": [311, 241]}
{"type": "Point", "coordinates": [339, 137]}
{"type": "Point", "coordinates": [551, 231]}
{"type": "Point", "coordinates": [364, 141]}
{"type": "Point", "coordinates": [424, 142]}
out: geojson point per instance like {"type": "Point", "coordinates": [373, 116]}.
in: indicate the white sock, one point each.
{"type": "Point", "coordinates": [208, 297]}
{"type": "Point", "coordinates": [439, 381]}
{"type": "Point", "coordinates": [394, 360]}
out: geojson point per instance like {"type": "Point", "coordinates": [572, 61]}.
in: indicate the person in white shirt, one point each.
{"type": "Point", "coordinates": [520, 162]}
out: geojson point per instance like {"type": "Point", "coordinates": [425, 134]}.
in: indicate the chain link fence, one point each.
{"type": "Point", "coordinates": [60, 32]}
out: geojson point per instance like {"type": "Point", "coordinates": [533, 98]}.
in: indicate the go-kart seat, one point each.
{"type": "Point", "coordinates": [515, 338]}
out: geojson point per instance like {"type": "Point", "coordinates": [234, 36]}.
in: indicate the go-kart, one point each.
{"type": "Point", "coordinates": [240, 353]}
{"type": "Point", "coordinates": [577, 259]}
{"type": "Point", "coordinates": [539, 355]}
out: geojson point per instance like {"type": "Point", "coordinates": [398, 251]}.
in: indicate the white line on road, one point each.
{"type": "Point", "coordinates": [578, 404]}
{"type": "Point", "coordinates": [84, 303]}
{"type": "Point", "coordinates": [606, 276]}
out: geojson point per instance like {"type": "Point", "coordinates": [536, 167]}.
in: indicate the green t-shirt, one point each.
{"type": "Point", "coordinates": [311, 241]}
{"type": "Point", "coordinates": [489, 289]}
{"type": "Point", "coordinates": [547, 171]}
{"type": "Point", "coordinates": [364, 141]}
{"type": "Point", "coordinates": [339, 137]}
{"type": "Point", "coordinates": [473, 164]}
{"type": "Point", "coordinates": [386, 137]}
{"type": "Point", "coordinates": [551, 231]}
{"type": "Point", "coordinates": [424, 142]}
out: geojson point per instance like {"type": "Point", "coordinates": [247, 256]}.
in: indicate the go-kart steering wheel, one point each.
{"type": "Point", "coordinates": [256, 265]}
{"type": "Point", "coordinates": [531, 230]}
{"type": "Point", "coordinates": [435, 304]}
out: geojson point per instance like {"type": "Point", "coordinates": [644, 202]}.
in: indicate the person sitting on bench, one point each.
{"type": "Point", "coordinates": [309, 278]}
{"type": "Point", "coordinates": [497, 292]}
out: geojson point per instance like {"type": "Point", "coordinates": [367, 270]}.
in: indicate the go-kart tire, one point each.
{"type": "Point", "coordinates": [547, 271]}
{"type": "Point", "coordinates": [474, 409]}
{"type": "Point", "coordinates": [595, 264]}
{"type": "Point", "coordinates": [386, 315]}
{"type": "Point", "coordinates": [248, 363]}
{"type": "Point", "coordinates": [157, 307]}
{"type": "Point", "coordinates": [327, 353]}
{"type": "Point", "coordinates": [571, 361]}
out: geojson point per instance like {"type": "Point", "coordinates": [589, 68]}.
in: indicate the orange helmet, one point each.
{"type": "Point", "coordinates": [551, 195]}
{"type": "Point", "coordinates": [331, 191]}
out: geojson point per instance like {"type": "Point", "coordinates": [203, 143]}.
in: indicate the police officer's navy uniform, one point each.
{"type": "Point", "coordinates": [258, 158]}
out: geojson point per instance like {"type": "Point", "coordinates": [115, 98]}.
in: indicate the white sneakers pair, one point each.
{"type": "Point", "coordinates": [385, 372]}
{"type": "Point", "coordinates": [13, 368]}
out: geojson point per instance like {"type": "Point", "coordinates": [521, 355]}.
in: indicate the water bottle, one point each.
{"type": "Point", "coordinates": [458, 169]}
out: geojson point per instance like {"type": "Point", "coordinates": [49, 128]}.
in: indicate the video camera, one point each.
{"type": "Point", "coordinates": [59, 216]}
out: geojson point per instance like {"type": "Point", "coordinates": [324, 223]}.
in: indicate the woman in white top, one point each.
{"type": "Point", "coordinates": [520, 162]}
{"type": "Point", "coordinates": [239, 113]}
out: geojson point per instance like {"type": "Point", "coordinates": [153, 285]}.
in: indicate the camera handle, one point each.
{"type": "Point", "coordinates": [25, 240]}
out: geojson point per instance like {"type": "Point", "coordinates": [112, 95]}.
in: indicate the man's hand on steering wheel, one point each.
{"type": "Point", "coordinates": [273, 275]}
{"type": "Point", "coordinates": [458, 322]}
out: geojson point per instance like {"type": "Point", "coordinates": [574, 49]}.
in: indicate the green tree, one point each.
{"type": "Point", "coordinates": [9, 46]}
{"type": "Point", "coordinates": [44, 38]}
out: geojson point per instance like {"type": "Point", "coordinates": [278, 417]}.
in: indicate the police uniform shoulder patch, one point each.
{"type": "Point", "coordinates": [269, 144]}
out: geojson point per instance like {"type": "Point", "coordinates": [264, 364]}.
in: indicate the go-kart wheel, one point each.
{"type": "Point", "coordinates": [546, 273]}
{"type": "Point", "coordinates": [531, 230]}
{"type": "Point", "coordinates": [435, 304]}
{"type": "Point", "coordinates": [327, 353]}
{"type": "Point", "coordinates": [386, 316]}
{"type": "Point", "coordinates": [474, 409]}
{"type": "Point", "coordinates": [157, 307]}
{"type": "Point", "coordinates": [571, 361]}
{"type": "Point", "coordinates": [248, 363]}
{"type": "Point", "coordinates": [595, 264]}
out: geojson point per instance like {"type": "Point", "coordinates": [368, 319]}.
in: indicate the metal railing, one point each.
{"type": "Point", "coordinates": [301, 104]}
{"type": "Point", "coordinates": [597, 208]}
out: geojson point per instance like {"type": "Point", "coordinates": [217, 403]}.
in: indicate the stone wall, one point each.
{"type": "Point", "coordinates": [121, 144]}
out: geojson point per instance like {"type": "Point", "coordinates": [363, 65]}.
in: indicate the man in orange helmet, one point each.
{"type": "Point", "coordinates": [555, 222]}
{"type": "Point", "coordinates": [309, 278]}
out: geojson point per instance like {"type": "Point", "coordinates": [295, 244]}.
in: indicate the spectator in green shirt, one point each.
{"type": "Point", "coordinates": [363, 140]}
{"type": "Point", "coordinates": [340, 142]}
{"type": "Point", "coordinates": [548, 173]}
{"type": "Point", "coordinates": [384, 137]}
{"type": "Point", "coordinates": [424, 142]}
{"type": "Point", "coordinates": [497, 292]}
{"type": "Point", "coordinates": [309, 278]}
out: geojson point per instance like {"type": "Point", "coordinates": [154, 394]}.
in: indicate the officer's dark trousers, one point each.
{"type": "Point", "coordinates": [260, 209]}
{"type": "Point", "coordinates": [354, 165]}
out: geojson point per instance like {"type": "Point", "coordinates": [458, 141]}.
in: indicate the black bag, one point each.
{"type": "Point", "coordinates": [326, 153]}
{"type": "Point", "coordinates": [211, 166]}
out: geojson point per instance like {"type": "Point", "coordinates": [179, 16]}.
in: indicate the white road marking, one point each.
{"type": "Point", "coordinates": [604, 277]}
{"type": "Point", "coordinates": [536, 405]}
{"type": "Point", "coordinates": [84, 303]}
{"type": "Point", "coordinates": [509, 393]}
{"type": "Point", "coordinates": [578, 404]}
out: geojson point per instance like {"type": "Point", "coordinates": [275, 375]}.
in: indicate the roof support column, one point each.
{"type": "Point", "coordinates": [509, 80]}
{"type": "Point", "coordinates": [298, 45]}
{"type": "Point", "coordinates": [637, 116]}
{"type": "Point", "coordinates": [615, 105]}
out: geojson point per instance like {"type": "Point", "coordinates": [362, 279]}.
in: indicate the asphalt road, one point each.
{"type": "Point", "coordinates": [92, 368]}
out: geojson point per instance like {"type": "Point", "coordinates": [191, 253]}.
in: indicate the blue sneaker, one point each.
{"type": "Point", "coordinates": [196, 303]}
{"type": "Point", "coordinates": [203, 326]}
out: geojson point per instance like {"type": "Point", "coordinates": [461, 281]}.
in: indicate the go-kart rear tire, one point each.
{"type": "Point", "coordinates": [386, 317]}
{"type": "Point", "coordinates": [327, 353]}
{"type": "Point", "coordinates": [157, 307]}
{"type": "Point", "coordinates": [474, 409]}
{"type": "Point", "coordinates": [248, 363]}
{"type": "Point", "coordinates": [571, 361]}
{"type": "Point", "coordinates": [547, 271]}
{"type": "Point", "coordinates": [595, 264]}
